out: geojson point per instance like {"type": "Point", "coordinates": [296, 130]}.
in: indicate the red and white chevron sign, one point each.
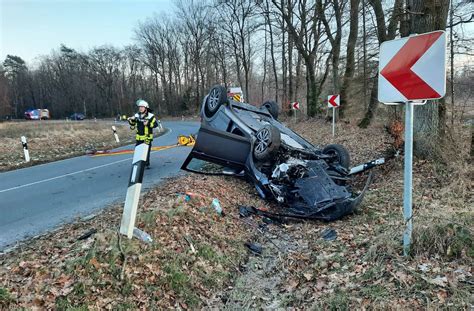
{"type": "Point", "coordinates": [413, 68]}
{"type": "Point", "coordinates": [334, 101]}
{"type": "Point", "coordinates": [295, 106]}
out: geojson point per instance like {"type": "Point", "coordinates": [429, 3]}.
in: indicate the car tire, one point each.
{"type": "Point", "coordinates": [267, 143]}
{"type": "Point", "coordinates": [272, 107]}
{"type": "Point", "coordinates": [342, 155]}
{"type": "Point", "coordinates": [216, 98]}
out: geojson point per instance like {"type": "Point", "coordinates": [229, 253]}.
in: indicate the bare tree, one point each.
{"type": "Point", "coordinates": [268, 21]}
{"type": "Point", "coordinates": [335, 37]}
{"type": "Point", "coordinates": [429, 127]}
{"type": "Point", "coordinates": [350, 61]}
{"type": "Point", "coordinates": [240, 26]}
{"type": "Point", "coordinates": [307, 41]}
{"type": "Point", "coordinates": [384, 33]}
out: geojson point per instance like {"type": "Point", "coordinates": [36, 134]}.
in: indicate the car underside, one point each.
{"type": "Point", "coordinates": [240, 139]}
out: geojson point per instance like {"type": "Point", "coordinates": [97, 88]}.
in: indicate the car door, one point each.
{"type": "Point", "coordinates": [220, 147]}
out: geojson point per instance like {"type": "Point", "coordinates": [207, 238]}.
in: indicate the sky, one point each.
{"type": "Point", "coordinates": [30, 28]}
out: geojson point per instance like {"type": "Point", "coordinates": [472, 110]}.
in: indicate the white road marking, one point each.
{"type": "Point", "coordinates": [70, 174]}
{"type": "Point", "coordinates": [62, 176]}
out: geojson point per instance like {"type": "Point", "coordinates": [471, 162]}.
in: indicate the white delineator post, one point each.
{"type": "Point", "coordinates": [115, 134]}
{"type": "Point", "coordinates": [25, 149]}
{"type": "Point", "coordinates": [407, 178]}
{"type": "Point", "coordinates": [133, 191]}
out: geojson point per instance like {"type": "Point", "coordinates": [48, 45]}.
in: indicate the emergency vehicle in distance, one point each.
{"type": "Point", "coordinates": [37, 114]}
{"type": "Point", "coordinates": [235, 93]}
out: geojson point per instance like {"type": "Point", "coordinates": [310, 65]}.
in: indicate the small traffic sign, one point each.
{"type": "Point", "coordinates": [295, 106]}
{"type": "Point", "coordinates": [334, 101]}
{"type": "Point", "coordinates": [413, 68]}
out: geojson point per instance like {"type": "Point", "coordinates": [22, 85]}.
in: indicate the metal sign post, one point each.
{"type": "Point", "coordinates": [333, 121]}
{"type": "Point", "coordinates": [407, 177]}
{"type": "Point", "coordinates": [25, 149]}
{"type": "Point", "coordinates": [411, 69]}
{"type": "Point", "coordinates": [133, 191]}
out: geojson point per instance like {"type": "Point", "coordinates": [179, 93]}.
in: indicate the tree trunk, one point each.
{"type": "Point", "coordinates": [283, 59]}
{"type": "Point", "coordinates": [312, 88]}
{"type": "Point", "coordinates": [429, 127]}
{"type": "Point", "coordinates": [384, 33]}
{"type": "Point", "coordinates": [264, 65]}
{"type": "Point", "coordinates": [351, 43]}
{"type": "Point", "coordinates": [373, 102]}
{"type": "Point", "coordinates": [290, 57]}
{"type": "Point", "coordinates": [272, 53]}
{"type": "Point", "coordinates": [297, 76]}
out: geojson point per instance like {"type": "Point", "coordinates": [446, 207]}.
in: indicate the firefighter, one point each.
{"type": "Point", "coordinates": [144, 122]}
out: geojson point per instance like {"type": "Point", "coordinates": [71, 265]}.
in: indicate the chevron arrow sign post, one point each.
{"type": "Point", "coordinates": [412, 69]}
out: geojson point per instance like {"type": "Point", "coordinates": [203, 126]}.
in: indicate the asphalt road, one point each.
{"type": "Point", "coordinates": [37, 199]}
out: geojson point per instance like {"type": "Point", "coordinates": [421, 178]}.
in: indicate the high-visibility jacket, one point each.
{"type": "Point", "coordinates": [144, 132]}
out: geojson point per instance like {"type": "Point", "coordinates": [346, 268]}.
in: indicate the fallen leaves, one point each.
{"type": "Point", "coordinates": [198, 258]}
{"type": "Point", "coordinates": [93, 261]}
{"type": "Point", "coordinates": [194, 252]}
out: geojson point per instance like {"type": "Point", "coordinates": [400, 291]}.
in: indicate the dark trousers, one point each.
{"type": "Point", "coordinates": [138, 142]}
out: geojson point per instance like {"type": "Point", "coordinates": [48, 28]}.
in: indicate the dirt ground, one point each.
{"type": "Point", "coordinates": [54, 140]}
{"type": "Point", "coordinates": [198, 259]}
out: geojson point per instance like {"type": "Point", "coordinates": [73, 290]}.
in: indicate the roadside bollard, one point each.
{"type": "Point", "coordinates": [133, 191]}
{"type": "Point", "coordinates": [160, 126]}
{"type": "Point", "coordinates": [115, 134]}
{"type": "Point", "coordinates": [25, 149]}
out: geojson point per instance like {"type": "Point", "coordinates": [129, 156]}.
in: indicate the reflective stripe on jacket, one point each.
{"type": "Point", "coordinates": [144, 132]}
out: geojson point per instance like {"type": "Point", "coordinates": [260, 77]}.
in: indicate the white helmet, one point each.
{"type": "Point", "coordinates": [142, 103]}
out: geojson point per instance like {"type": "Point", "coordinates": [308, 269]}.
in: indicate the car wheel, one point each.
{"type": "Point", "coordinates": [341, 154]}
{"type": "Point", "coordinates": [216, 98]}
{"type": "Point", "coordinates": [267, 143]}
{"type": "Point", "coordinates": [272, 107]}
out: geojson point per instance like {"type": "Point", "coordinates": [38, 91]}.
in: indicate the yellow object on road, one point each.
{"type": "Point", "coordinates": [186, 140]}
{"type": "Point", "coordinates": [183, 141]}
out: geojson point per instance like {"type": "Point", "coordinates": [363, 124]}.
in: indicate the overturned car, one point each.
{"type": "Point", "coordinates": [240, 139]}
